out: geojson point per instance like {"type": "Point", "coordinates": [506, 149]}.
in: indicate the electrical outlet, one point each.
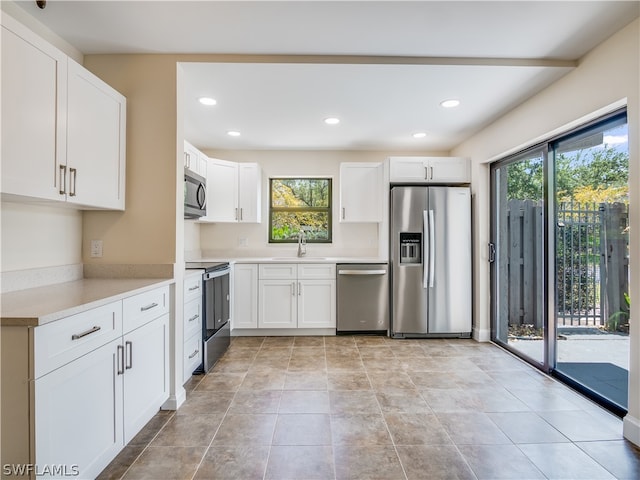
{"type": "Point", "coordinates": [243, 242]}
{"type": "Point", "coordinates": [96, 248]}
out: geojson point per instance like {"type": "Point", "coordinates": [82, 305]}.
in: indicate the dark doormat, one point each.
{"type": "Point", "coordinates": [605, 379]}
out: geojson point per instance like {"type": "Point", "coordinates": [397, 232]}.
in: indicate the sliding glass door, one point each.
{"type": "Point", "coordinates": [518, 251]}
{"type": "Point", "coordinates": [591, 260]}
{"type": "Point", "coordinates": [560, 258]}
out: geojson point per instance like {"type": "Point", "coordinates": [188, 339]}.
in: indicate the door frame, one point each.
{"type": "Point", "coordinates": [550, 301]}
{"type": "Point", "coordinates": [548, 324]}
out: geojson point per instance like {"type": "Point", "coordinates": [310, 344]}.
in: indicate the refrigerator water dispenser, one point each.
{"type": "Point", "coordinates": [410, 248]}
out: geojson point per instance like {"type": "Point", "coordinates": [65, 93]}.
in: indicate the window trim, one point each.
{"type": "Point", "coordinates": [328, 209]}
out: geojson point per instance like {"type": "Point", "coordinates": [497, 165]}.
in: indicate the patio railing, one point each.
{"type": "Point", "coordinates": [591, 264]}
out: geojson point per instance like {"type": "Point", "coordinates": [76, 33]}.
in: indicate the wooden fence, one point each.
{"type": "Point", "coordinates": [591, 263]}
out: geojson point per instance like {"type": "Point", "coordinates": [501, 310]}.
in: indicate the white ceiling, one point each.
{"type": "Point", "coordinates": [404, 58]}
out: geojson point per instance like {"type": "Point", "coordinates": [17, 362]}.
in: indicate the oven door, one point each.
{"type": "Point", "coordinates": [216, 325]}
{"type": "Point", "coordinates": [216, 301]}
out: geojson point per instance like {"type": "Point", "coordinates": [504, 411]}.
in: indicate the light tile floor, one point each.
{"type": "Point", "coordinates": [364, 407]}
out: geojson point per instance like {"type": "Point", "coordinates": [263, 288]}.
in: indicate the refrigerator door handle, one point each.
{"type": "Point", "coordinates": [426, 255]}
{"type": "Point", "coordinates": [432, 249]}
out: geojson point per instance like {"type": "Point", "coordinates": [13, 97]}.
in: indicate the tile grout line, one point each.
{"type": "Point", "coordinates": [221, 421]}
{"type": "Point", "coordinates": [146, 447]}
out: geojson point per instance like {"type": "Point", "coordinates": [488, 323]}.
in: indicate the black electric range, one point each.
{"type": "Point", "coordinates": [215, 310]}
{"type": "Point", "coordinates": [208, 267]}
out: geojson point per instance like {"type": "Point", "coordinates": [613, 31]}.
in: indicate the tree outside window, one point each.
{"type": "Point", "coordinates": [300, 204]}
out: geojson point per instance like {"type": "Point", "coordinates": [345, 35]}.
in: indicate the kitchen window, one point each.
{"type": "Point", "coordinates": [299, 205]}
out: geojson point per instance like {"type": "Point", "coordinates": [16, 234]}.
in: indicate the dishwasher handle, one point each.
{"type": "Point", "coordinates": [361, 272]}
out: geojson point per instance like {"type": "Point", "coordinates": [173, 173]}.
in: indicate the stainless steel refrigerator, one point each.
{"type": "Point", "coordinates": [430, 257]}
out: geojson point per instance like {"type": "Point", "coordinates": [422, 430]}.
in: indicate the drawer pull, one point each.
{"type": "Point", "coordinates": [195, 317]}
{"type": "Point", "coordinates": [77, 336]}
{"type": "Point", "coordinates": [195, 287]}
{"type": "Point", "coordinates": [194, 354]}
{"type": "Point", "coordinates": [148, 307]}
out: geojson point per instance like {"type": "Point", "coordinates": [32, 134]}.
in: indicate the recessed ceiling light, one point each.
{"type": "Point", "coordinates": [419, 135]}
{"type": "Point", "coordinates": [450, 103]}
{"type": "Point", "coordinates": [332, 121]}
{"type": "Point", "coordinates": [207, 101]}
{"type": "Point", "coordinates": [233, 133]}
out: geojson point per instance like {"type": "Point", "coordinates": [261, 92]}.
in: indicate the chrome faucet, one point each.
{"type": "Point", "coordinates": [302, 244]}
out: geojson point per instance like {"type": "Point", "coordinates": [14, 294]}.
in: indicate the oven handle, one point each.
{"type": "Point", "coordinates": [217, 273]}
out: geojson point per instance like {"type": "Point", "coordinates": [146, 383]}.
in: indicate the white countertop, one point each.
{"type": "Point", "coordinates": [294, 259]}
{"type": "Point", "coordinates": [37, 306]}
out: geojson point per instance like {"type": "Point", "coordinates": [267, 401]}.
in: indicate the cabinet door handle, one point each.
{"type": "Point", "coordinates": [426, 173]}
{"type": "Point", "coordinates": [129, 347]}
{"type": "Point", "coordinates": [241, 216]}
{"type": "Point", "coordinates": [431, 170]}
{"type": "Point", "coordinates": [62, 179]}
{"type": "Point", "coordinates": [148, 307]}
{"type": "Point", "coordinates": [77, 336]}
{"type": "Point", "coordinates": [188, 160]}
{"type": "Point", "coordinates": [343, 213]}
{"type": "Point", "coordinates": [194, 354]}
{"type": "Point", "coordinates": [120, 359]}
{"type": "Point", "coordinates": [299, 288]}
{"type": "Point", "coordinates": [195, 317]}
{"type": "Point", "coordinates": [73, 173]}
{"type": "Point", "coordinates": [293, 289]}
{"type": "Point", "coordinates": [196, 287]}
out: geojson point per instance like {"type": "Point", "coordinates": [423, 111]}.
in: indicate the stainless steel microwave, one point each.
{"type": "Point", "coordinates": [195, 195]}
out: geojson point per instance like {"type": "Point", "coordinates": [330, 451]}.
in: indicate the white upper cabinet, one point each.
{"type": "Point", "coordinates": [33, 113]}
{"type": "Point", "coordinates": [96, 119]}
{"type": "Point", "coordinates": [63, 129]}
{"type": "Point", "coordinates": [449, 170]}
{"type": "Point", "coordinates": [361, 192]}
{"type": "Point", "coordinates": [249, 192]}
{"type": "Point", "coordinates": [222, 191]}
{"type": "Point", "coordinates": [194, 160]}
{"type": "Point", "coordinates": [233, 192]}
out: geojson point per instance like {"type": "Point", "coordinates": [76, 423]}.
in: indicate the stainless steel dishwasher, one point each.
{"type": "Point", "coordinates": [363, 298]}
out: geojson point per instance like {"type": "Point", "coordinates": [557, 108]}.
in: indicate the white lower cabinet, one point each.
{"type": "Point", "coordinates": [278, 303]}
{"type": "Point", "coordinates": [145, 377]}
{"type": "Point", "coordinates": [317, 303]}
{"type": "Point", "coordinates": [99, 377]}
{"type": "Point", "coordinates": [192, 324]}
{"type": "Point", "coordinates": [78, 414]}
{"type": "Point", "coordinates": [193, 355]}
{"type": "Point", "coordinates": [245, 296]}
{"type": "Point", "coordinates": [297, 295]}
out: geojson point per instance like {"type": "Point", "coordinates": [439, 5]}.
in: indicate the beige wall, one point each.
{"type": "Point", "coordinates": [146, 231]}
{"type": "Point", "coordinates": [606, 77]}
